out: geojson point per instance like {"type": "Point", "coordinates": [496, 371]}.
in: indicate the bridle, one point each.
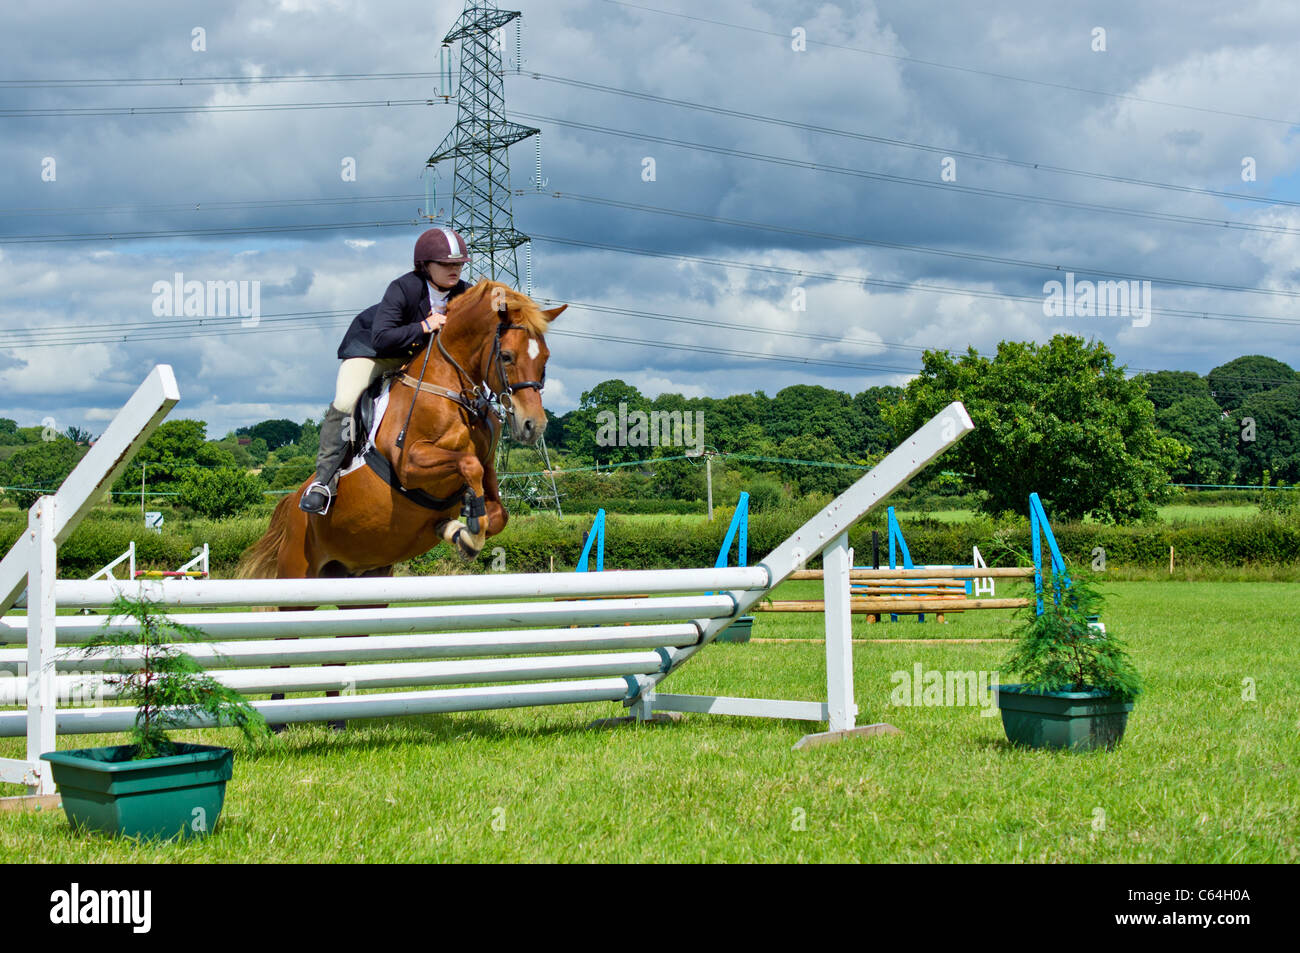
{"type": "Point", "coordinates": [480, 405]}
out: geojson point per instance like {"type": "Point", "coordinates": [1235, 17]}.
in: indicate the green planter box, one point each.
{"type": "Point", "coordinates": [738, 631]}
{"type": "Point", "coordinates": [1077, 721]}
{"type": "Point", "coordinates": [157, 798]}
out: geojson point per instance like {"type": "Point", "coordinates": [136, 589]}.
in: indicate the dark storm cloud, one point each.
{"type": "Point", "coordinates": [169, 171]}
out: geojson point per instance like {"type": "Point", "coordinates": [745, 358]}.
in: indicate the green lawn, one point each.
{"type": "Point", "coordinates": [1202, 775]}
{"type": "Point", "coordinates": [1184, 513]}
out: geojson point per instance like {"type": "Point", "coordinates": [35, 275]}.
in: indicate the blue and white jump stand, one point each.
{"type": "Point", "coordinates": [1039, 529]}
{"type": "Point", "coordinates": [595, 535]}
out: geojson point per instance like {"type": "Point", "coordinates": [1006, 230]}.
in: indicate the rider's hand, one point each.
{"type": "Point", "coordinates": [433, 322]}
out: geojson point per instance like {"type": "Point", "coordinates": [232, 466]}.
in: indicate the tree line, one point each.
{"type": "Point", "coordinates": [1058, 418]}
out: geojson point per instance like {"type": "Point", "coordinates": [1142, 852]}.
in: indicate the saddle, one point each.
{"type": "Point", "coordinates": [361, 452]}
{"type": "Point", "coordinates": [363, 419]}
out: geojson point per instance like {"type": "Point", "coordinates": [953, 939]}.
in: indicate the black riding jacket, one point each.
{"type": "Point", "coordinates": [392, 327]}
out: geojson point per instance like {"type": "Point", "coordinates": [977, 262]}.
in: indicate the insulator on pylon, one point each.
{"type": "Point", "coordinates": [444, 71]}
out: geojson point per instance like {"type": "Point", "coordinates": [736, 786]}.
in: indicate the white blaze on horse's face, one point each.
{"type": "Point", "coordinates": [533, 349]}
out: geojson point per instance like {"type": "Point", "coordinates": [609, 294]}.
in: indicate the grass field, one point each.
{"type": "Point", "coordinates": [1201, 776]}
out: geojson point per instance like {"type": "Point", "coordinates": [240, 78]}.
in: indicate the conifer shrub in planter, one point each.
{"type": "Point", "coordinates": [738, 631]}
{"type": "Point", "coordinates": [1078, 682]}
{"type": "Point", "coordinates": [153, 787]}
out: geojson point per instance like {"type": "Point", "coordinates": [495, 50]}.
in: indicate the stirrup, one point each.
{"type": "Point", "coordinates": [329, 498]}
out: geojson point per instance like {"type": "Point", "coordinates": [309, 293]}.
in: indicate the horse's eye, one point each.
{"type": "Point", "coordinates": [507, 357]}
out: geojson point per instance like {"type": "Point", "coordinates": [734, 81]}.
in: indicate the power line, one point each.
{"type": "Point", "coordinates": [251, 204]}
{"type": "Point", "coordinates": [120, 332]}
{"type": "Point", "coordinates": [908, 180]}
{"type": "Point", "coordinates": [75, 112]}
{"type": "Point", "coordinates": [123, 331]}
{"type": "Point", "coordinates": [779, 358]}
{"type": "Point", "coordinates": [961, 69]}
{"type": "Point", "coordinates": [658, 210]}
{"type": "Point", "coordinates": [224, 327]}
{"type": "Point", "coordinates": [207, 80]}
{"type": "Point", "coordinates": [900, 143]}
{"type": "Point", "coordinates": [802, 335]}
{"type": "Point", "coordinates": [648, 97]}
{"type": "Point", "coordinates": [198, 232]}
{"type": "Point", "coordinates": [803, 273]}
{"type": "Point", "coordinates": [311, 78]}
{"type": "Point", "coordinates": [1153, 215]}
{"type": "Point", "coordinates": [920, 249]}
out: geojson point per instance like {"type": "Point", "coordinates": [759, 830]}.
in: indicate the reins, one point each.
{"type": "Point", "coordinates": [477, 404]}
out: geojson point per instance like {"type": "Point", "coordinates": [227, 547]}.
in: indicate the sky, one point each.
{"type": "Point", "coordinates": [836, 188]}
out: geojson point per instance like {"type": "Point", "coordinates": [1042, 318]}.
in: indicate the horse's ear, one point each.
{"type": "Point", "coordinates": [554, 313]}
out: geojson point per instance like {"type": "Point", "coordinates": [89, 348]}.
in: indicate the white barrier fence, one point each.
{"type": "Point", "coordinates": [471, 632]}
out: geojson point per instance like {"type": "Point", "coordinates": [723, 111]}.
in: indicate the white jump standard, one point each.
{"type": "Point", "coordinates": [499, 652]}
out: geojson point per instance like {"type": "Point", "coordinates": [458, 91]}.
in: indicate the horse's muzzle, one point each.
{"type": "Point", "coordinates": [526, 430]}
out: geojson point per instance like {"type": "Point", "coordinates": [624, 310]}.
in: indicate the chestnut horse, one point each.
{"type": "Point", "coordinates": [437, 436]}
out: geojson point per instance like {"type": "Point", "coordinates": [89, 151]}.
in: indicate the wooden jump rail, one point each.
{"type": "Point", "coordinates": [962, 572]}
{"type": "Point", "coordinates": [888, 604]}
{"type": "Point", "coordinates": [910, 590]}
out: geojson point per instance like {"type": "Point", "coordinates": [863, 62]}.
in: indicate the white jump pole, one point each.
{"type": "Point", "coordinates": [78, 594]}
{"type": "Point", "coordinates": [377, 648]}
{"type": "Point", "coordinates": [380, 705]}
{"type": "Point", "coordinates": [386, 675]}
{"type": "Point", "coordinates": [411, 619]}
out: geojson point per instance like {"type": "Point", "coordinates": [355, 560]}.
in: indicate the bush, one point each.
{"type": "Point", "coordinates": [765, 495]}
{"type": "Point", "coordinates": [633, 507]}
{"type": "Point", "coordinates": [42, 467]}
{"type": "Point", "coordinates": [224, 491]}
{"type": "Point", "coordinates": [1281, 501]}
{"type": "Point", "coordinates": [290, 473]}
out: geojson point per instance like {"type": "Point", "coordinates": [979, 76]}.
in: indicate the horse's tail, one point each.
{"type": "Point", "coordinates": [259, 560]}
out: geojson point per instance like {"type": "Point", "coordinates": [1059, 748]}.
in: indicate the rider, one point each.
{"type": "Point", "coordinates": [383, 338]}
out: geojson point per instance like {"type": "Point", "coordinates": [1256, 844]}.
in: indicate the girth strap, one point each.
{"type": "Point", "coordinates": [379, 463]}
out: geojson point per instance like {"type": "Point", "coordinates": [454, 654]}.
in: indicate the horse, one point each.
{"type": "Point", "coordinates": [493, 344]}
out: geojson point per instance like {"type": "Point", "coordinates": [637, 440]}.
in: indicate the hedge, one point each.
{"type": "Point", "coordinates": [529, 542]}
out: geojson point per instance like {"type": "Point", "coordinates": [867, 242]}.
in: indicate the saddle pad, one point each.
{"type": "Point", "coordinates": [381, 405]}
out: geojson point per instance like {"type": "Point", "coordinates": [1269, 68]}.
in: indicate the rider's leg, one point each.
{"type": "Point", "coordinates": [355, 375]}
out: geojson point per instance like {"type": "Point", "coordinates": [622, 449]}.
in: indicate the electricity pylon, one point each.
{"type": "Point", "coordinates": [481, 207]}
{"type": "Point", "coordinates": [479, 143]}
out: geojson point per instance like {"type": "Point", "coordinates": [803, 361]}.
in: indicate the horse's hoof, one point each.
{"type": "Point", "coordinates": [464, 541]}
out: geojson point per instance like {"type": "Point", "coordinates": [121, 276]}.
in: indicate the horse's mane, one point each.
{"type": "Point", "coordinates": [523, 310]}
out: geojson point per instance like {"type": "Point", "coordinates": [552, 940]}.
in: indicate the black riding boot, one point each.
{"type": "Point", "coordinates": [333, 447]}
